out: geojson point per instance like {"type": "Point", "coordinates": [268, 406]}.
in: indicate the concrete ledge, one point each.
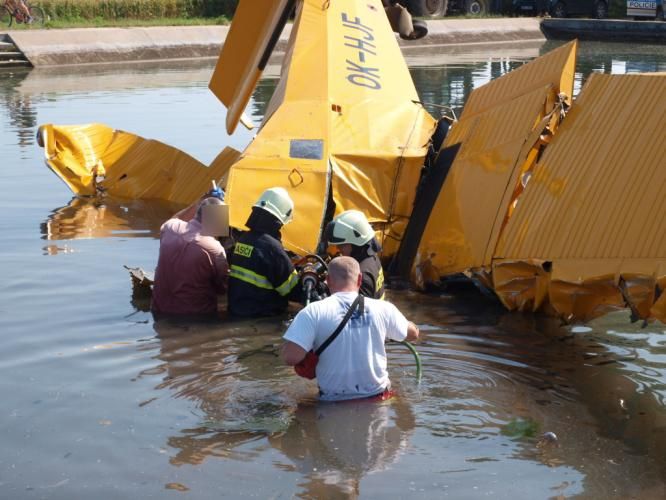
{"type": "Point", "coordinates": [103, 45]}
{"type": "Point", "coordinates": [466, 31]}
{"type": "Point", "coordinates": [110, 45]}
{"type": "Point", "coordinates": [113, 45]}
{"type": "Point", "coordinates": [605, 29]}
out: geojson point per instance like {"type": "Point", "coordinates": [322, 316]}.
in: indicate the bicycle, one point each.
{"type": "Point", "coordinates": [11, 11]}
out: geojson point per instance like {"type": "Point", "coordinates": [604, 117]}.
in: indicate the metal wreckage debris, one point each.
{"type": "Point", "coordinates": [551, 203]}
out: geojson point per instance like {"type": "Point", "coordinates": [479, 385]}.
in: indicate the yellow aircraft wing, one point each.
{"type": "Point", "coordinates": [251, 39]}
{"type": "Point", "coordinates": [95, 158]}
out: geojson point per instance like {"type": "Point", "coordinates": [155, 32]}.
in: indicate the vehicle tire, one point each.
{"type": "Point", "coordinates": [601, 9]}
{"type": "Point", "coordinates": [420, 30]}
{"type": "Point", "coordinates": [6, 17]}
{"type": "Point", "coordinates": [560, 10]}
{"type": "Point", "coordinates": [37, 14]}
{"type": "Point", "coordinates": [475, 7]}
{"type": "Point", "coordinates": [427, 7]}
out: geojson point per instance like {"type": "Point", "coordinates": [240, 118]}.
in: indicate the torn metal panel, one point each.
{"type": "Point", "coordinates": [94, 158]}
{"type": "Point", "coordinates": [589, 207]}
{"type": "Point", "coordinates": [459, 229]}
{"type": "Point", "coordinates": [521, 285]}
{"type": "Point", "coordinates": [497, 138]}
{"type": "Point", "coordinates": [599, 184]}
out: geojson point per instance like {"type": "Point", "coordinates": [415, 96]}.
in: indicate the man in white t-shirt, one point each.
{"type": "Point", "coordinates": [353, 366]}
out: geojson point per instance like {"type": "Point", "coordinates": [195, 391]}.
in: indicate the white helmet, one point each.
{"type": "Point", "coordinates": [277, 202]}
{"type": "Point", "coordinates": [350, 227]}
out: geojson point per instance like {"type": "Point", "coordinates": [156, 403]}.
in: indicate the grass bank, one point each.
{"type": "Point", "coordinates": [96, 13]}
{"type": "Point", "coordinates": [121, 13]}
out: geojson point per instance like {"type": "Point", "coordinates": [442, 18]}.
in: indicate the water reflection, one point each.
{"type": "Point", "coordinates": [248, 402]}
{"type": "Point", "coordinates": [107, 217]}
{"type": "Point", "coordinates": [334, 446]}
{"type": "Point", "coordinates": [447, 75]}
{"type": "Point", "coordinates": [494, 382]}
{"type": "Point", "coordinates": [20, 107]}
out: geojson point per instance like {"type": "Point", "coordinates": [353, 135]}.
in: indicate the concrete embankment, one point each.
{"type": "Point", "coordinates": [111, 45]}
{"type": "Point", "coordinates": [108, 45]}
{"type": "Point", "coordinates": [617, 30]}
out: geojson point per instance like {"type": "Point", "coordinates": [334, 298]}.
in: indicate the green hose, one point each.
{"type": "Point", "coordinates": [417, 358]}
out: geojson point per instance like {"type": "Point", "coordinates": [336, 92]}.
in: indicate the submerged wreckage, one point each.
{"type": "Point", "coordinates": [551, 203]}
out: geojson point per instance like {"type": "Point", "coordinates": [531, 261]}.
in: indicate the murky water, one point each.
{"type": "Point", "coordinates": [98, 401]}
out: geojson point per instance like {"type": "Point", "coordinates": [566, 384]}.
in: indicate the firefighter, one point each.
{"type": "Point", "coordinates": [262, 278]}
{"type": "Point", "coordinates": [354, 237]}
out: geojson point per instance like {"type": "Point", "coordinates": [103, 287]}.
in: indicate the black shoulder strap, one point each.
{"type": "Point", "coordinates": [350, 311]}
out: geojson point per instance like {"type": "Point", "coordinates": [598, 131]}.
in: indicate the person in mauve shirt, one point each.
{"type": "Point", "coordinates": [192, 267]}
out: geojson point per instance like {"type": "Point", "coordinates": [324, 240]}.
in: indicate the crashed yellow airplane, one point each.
{"type": "Point", "coordinates": [552, 204]}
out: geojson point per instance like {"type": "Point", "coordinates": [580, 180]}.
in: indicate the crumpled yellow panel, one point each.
{"type": "Point", "coordinates": [658, 309]}
{"type": "Point", "coordinates": [581, 302]}
{"type": "Point", "coordinates": [498, 136]}
{"type": "Point", "coordinates": [95, 158]}
{"type": "Point", "coordinates": [521, 285]}
{"type": "Point", "coordinates": [77, 153]}
{"type": "Point", "coordinates": [591, 205]}
{"type": "Point", "coordinates": [473, 200]}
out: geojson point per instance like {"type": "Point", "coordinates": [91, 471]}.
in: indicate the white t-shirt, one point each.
{"type": "Point", "coordinates": [354, 364]}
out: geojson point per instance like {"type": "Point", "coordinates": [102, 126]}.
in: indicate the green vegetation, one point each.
{"type": "Point", "coordinates": [521, 428]}
{"type": "Point", "coordinates": [68, 13]}
{"type": "Point", "coordinates": [617, 9]}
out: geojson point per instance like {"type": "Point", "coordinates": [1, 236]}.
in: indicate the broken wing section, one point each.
{"type": "Point", "coordinates": [94, 158]}
{"type": "Point", "coordinates": [487, 154]}
{"type": "Point", "coordinates": [587, 235]}
{"type": "Point", "coordinates": [252, 37]}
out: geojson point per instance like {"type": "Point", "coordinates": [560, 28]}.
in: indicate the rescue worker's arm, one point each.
{"type": "Point", "coordinates": [188, 213]}
{"type": "Point", "coordinates": [283, 276]}
{"type": "Point", "coordinates": [397, 326]}
{"type": "Point", "coordinates": [412, 332]}
{"type": "Point", "coordinates": [292, 353]}
{"type": "Point", "coordinates": [221, 273]}
{"type": "Point", "coordinates": [299, 337]}
{"type": "Point", "coordinates": [367, 285]}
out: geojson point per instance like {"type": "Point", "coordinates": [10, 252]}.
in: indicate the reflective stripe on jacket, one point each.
{"type": "Point", "coordinates": [261, 276]}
